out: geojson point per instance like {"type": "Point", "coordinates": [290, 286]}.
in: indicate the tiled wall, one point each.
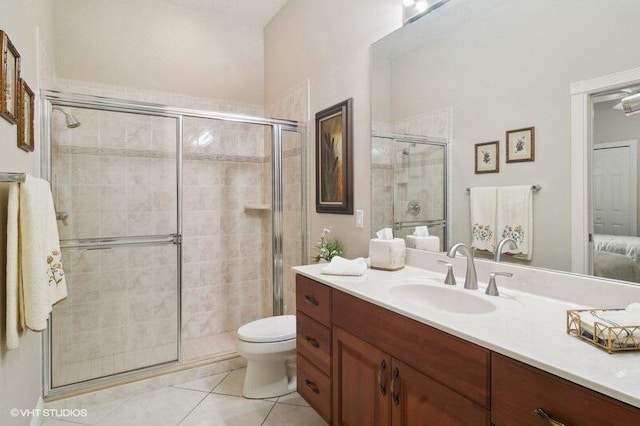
{"type": "Point", "coordinates": [116, 175]}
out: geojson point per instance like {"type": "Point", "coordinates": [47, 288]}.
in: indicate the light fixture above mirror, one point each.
{"type": "Point", "coordinates": [415, 9]}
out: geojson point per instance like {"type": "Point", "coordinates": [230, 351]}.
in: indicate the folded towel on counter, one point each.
{"type": "Point", "coordinates": [515, 218]}
{"type": "Point", "coordinates": [341, 266]}
{"type": "Point", "coordinates": [483, 218]}
{"type": "Point", "coordinates": [35, 278]}
{"type": "Point", "coordinates": [628, 317]}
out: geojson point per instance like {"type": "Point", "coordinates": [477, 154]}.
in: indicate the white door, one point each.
{"type": "Point", "coordinates": [615, 188]}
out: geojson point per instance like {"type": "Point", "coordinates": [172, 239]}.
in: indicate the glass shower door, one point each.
{"type": "Point", "coordinates": [115, 186]}
{"type": "Point", "coordinates": [419, 181]}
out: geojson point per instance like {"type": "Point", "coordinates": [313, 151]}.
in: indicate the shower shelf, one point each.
{"type": "Point", "coordinates": [257, 207]}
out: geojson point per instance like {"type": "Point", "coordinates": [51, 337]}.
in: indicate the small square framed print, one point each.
{"type": "Point", "coordinates": [26, 108]}
{"type": "Point", "coordinates": [9, 78]}
{"type": "Point", "coordinates": [487, 157]}
{"type": "Point", "coordinates": [521, 145]}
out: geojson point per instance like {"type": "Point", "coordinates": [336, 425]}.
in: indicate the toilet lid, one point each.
{"type": "Point", "coordinates": [271, 329]}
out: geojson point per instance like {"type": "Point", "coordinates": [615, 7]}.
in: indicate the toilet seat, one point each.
{"type": "Point", "coordinates": [272, 329]}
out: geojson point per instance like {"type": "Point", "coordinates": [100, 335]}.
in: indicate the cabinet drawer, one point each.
{"type": "Point", "coordinates": [314, 342]}
{"type": "Point", "coordinates": [314, 387]}
{"type": "Point", "coordinates": [314, 299]}
{"type": "Point", "coordinates": [462, 366]}
{"type": "Point", "coordinates": [517, 390]}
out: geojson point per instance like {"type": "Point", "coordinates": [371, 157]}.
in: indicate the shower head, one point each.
{"type": "Point", "coordinates": [71, 121]}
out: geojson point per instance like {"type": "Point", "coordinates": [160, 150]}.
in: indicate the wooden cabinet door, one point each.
{"type": "Point", "coordinates": [418, 400]}
{"type": "Point", "coordinates": [519, 392]}
{"type": "Point", "coordinates": [360, 382]}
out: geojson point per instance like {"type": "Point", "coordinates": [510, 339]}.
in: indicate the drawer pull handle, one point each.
{"type": "Point", "coordinates": [311, 300]}
{"type": "Point", "coordinates": [540, 413]}
{"type": "Point", "coordinates": [314, 388]}
{"type": "Point", "coordinates": [395, 384]}
{"type": "Point", "coordinates": [381, 383]}
{"type": "Point", "coordinates": [313, 342]}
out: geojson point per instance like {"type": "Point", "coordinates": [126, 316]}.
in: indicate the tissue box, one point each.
{"type": "Point", "coordinates": [431, 243]}
{"type": "Point", "coordinates": [387, 254]}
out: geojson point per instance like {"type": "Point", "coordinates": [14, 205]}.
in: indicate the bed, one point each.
{"type": "Point", "coordinates": [617, 257]}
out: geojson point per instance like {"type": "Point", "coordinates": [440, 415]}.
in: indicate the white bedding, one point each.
{"type": "Point", "coordinates": [619, 244]}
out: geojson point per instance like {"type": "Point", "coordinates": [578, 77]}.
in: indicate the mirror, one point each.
{"type": "Point", "coordinates": [473, 70]}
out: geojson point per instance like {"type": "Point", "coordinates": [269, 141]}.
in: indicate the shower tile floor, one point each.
{"type": "Point", "coordinates": [210, 401]}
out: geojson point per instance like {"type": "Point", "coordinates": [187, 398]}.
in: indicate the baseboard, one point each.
{"type": "Point", "coordinates": [36, 420]}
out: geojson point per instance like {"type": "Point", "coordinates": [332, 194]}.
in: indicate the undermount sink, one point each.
{"type": "Point", "coordinates": [442, 298]}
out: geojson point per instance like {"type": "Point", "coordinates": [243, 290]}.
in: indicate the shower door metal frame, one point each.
{"type": "Point", "coordinates": [53, 98]}
{"type": "Point", "coordinates": [423, 140]}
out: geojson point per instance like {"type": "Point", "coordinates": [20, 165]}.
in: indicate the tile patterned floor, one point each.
{"type": "Point", "coordinates": [210, 401]}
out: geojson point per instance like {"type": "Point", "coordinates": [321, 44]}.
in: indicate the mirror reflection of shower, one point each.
{"type": "Point", "coordinates": [70, 119]}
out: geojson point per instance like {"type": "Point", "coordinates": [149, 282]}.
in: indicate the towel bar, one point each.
{"type": "Point", "coordinates": [535, 188]}
{"type": "Point", "coordinates": [12, 177]}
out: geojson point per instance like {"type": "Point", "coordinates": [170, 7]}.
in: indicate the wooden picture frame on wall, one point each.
{"type": "Point", "coordinates": [487, 157]}
{"type": "Point", "coordinates": [521, 145]}
{"type": "Point", "coordinates": [334, 159]}
{"type": "Point", "coordinates": [9, 79]}
{"type": "Point", "coordinates": [26, 111]}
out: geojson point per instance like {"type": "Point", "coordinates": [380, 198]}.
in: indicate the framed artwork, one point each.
{"type": "Point", "coordinates": [334, 162]}
{"type": "Point", "coordinates": [26, 108]}
{"type": "Point", "coordinates": [487, 157]}
{"type": "Point", "coordinates": [9, 78]}
{"type": "Point", "coordinates": [521, 145]}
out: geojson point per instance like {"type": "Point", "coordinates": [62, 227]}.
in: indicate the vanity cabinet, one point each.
{"type": "Point", "coordinates": [388, 369]}
{"type": "Point", "coordinates": [519, 391]}
{"type": "Point", "coordinates": [313, 344]}
{"type": "Point", "coordinates": [361, 364]}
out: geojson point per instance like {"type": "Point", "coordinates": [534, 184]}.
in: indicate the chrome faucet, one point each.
{"type": "Point", "coordinates": [470, 278]}
{"type": "Point", "coordinates": [498, 253]}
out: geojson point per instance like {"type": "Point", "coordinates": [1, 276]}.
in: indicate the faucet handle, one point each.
{"type": "Point", "coordinates": [492, 288]}
{"type": "Point", "coordinates": [450, 278]}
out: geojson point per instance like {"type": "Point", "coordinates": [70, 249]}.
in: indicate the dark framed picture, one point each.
{"type": "Point", "coordinates": [521, 145]}
{"type": "Point", "coordinates": [26, 108]}
{"type": "Point", "coordinates": [334, 162]}
{"type": "Point", "coordinates": [9, 78]}
{"type": "Point", "coordinates": [487, 157]}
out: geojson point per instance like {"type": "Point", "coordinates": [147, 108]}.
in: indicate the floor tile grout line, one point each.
{"type": "Point", "coordinates": [267, 416]}
{"type": "Point", "coordinates": [206, 395]}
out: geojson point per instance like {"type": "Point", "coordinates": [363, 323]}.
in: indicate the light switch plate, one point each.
{"type": "Point", "coordinates": [359, 219]}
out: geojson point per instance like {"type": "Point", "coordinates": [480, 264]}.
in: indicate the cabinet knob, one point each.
{"type": "Point", "coordinates": [395, 385]}
{"type": "Point", "coordinates": [314, 388]}
{"type": "Point", "coordinates": [311, 300]}
{"type": "Point", "coordinates": [381, 382]}
{"type": "Point", "coordinates": [540, 413]}
{"type": "Point", "coordinates": [313, 342]}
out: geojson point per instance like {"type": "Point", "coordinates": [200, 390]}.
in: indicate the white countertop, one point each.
{"type": "Point", "coordinates": [524, 326]}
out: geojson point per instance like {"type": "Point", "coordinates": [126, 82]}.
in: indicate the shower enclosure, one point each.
{"type": "Point", "coordinates": [171, 225]}
{"type": "Point", "coordinates": [409, 184]}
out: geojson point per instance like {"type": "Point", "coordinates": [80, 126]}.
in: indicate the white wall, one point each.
{"type": "Point", "coordinates": [328, 43]}
{"type": "Point", "coordinates": [510, 66]}
{"type": "Point", "coordinates": [20, 369]}
{"type": "Point", "coordinates": [155, 45]}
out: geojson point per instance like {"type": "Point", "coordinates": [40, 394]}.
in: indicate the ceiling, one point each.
{"type": "Point", "coordinates": [257, 12]}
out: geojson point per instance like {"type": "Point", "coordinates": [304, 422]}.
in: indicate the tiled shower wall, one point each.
{"type": "Point", "coordinates": [118, 177]}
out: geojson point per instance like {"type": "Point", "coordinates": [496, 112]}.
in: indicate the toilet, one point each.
{"type": "Point", "coordinates": [269, 346]}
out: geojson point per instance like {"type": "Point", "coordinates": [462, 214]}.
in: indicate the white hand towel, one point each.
{"type": "Point", "coordinates": [483, 218]}
{"type": "Point", "coordinates": [515, 218]}
{"type": "Point", "coordinates": [341, 266]}
{"type": "Point", "coordinates": [43, 281]}
{"type": "Point", "coordinates": [14, 322]}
